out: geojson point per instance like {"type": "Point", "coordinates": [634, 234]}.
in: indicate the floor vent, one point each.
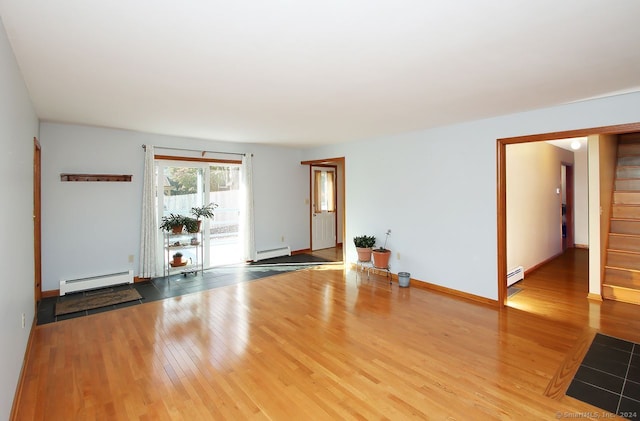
{"type": "Point", "coordinates": [94, 282]}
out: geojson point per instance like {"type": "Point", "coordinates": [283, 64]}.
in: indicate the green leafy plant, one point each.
{"type": "Point", "coordinates": [205, 211]}
{"type": "Point", "coordinates": [364, 241]}
{"type": "Point", "coordinates": [172, 221]}
{"type": "Point", "coordinates": [191, 225]}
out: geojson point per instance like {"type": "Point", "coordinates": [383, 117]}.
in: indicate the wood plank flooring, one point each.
{"type": "Point", "coordinates": [320, 344]}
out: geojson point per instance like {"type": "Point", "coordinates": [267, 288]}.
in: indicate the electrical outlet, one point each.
{"type": "Point", "coordinates": [282, 239]}
{"type": "Point", "coordinates": [398, 255]}
{"type": "Point", "coordinates": [24, 321]}
{"type": "Point", "coordinates": [131, 258]}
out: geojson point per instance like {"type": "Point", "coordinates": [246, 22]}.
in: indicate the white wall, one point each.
{"type": "Point", "coordinates": [436, 189]}
{"type": "Point", "coordinates": [534, 213]}
{"type": "Point", "coordinates": [18, 127]}
{"type": "Point", "coordinates": [91, 228]}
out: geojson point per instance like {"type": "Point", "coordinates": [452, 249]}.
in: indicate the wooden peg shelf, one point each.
{"type": "Point", "coordinates": [95, 177]}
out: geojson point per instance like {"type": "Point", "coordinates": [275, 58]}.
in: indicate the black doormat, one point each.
{"type": "Point", "coordinates": [609, 377]}
{"type": "Point", "coordinates": [91, 300]}
{"type": "Point", "coordinates": [295, 258]}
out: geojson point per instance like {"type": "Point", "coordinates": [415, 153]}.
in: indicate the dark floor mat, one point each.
{"type": "Point", "coordinates": [94, 299]}
{"type": "Point", "coordinates": [295, 258]}
{"type": "Point", "coordinates": [609, 376]}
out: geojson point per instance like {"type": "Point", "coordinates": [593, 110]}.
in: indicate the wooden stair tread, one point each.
{"type": "Point", "coordinates": [624, 269]}
{"type": "Point", "coordinates": [619, 234]}
{"type": "Point", "coordinates": [624, 251]}
{"type": "Point", "coordinates": [620, 293]}
{"type": "Point", "coordinates": [619, 286]}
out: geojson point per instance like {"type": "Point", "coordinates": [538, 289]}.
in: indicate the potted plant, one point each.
{"type": "Point", "coordinates": [172, 223]}
{"type": "Point", "coordinates": [191, 225]}
{"type": "Point", "coordinates": [205, 211]}
{"type": "Point", "coordinates": [364, 244]}
{"type": "Point", "coordinates": [381, 255]}
{"type": "Point", "coordinates": [177, 259]}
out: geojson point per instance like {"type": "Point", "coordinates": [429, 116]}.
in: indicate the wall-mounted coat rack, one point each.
{"type": "Point", "coordinates": [95, 177]}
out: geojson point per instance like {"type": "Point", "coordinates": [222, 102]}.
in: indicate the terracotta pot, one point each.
{"type": "Point", "coordinates": [177, 229]}
{"type": "Point", "coordinates": [197, 229]}
{"type": "Point", "coordinates": [364, 254]}
{"type": "Point", "coordinates": [381, 258]}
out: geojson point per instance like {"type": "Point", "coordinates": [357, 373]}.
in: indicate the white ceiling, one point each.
{"type": "Point", "coordinates": [566, 143]}
{"type": "Point", "coordinates": [305, 73]}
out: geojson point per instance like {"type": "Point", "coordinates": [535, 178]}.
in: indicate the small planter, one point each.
{"type": "Point", "coordinates": [381, 258]}
{"type": "Point", "coordinates": [177, 229]}
{"type": "Point", "coordinates": [364, 254]}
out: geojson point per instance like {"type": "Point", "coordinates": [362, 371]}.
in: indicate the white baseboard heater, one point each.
{"type": "Point", "coordinates": [269, 254]}
{"type": "Point", "coordinates": [515, 275]}
{"type": "Point", "coordinates": [94, 282]}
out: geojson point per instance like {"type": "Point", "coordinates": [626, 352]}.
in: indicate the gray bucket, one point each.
{"type": "Point", "coordinates": [403, 279]}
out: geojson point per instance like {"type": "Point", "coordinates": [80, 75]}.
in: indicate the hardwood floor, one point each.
{"type": "Point", "coordinates": [333, 253]}
{"type": "Point", "coordinates": [320, 344]}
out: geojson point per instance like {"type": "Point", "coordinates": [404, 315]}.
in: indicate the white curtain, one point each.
{"type": "Point", "coordinates": [246, 223]}
{"type": "Point", "coordinates": [149, 226]}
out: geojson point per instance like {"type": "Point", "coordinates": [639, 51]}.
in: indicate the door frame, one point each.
{"type": "Point", "coordinates": [335, 198]}
{"type": "Point", "coordinates": [37, 223]}
{"type": "Point", "coordinates": [339, 164]}
{"type": "Point", "coordinates": [501, 186]}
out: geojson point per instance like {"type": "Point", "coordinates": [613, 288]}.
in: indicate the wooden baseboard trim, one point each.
{"type": "Point", "coordinates": [544, 262]}
{"type": "Point", "coordinates": [17, 397]}
{"type": "Point", "coordinates": [561, 380]}
{"type": "Point", "coordinates": [51, 293]}
{"type": "Point", "coordinates": [581, 246]}
{"type": "Point", "coordinates": [456, 293]}
{"type": "Point", "coordinates": [594, 297]}
{"type": "Point", "coordinates": [433, 287]}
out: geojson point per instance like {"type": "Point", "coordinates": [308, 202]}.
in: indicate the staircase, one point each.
{"type": "Point", "coordinates": [622, 270]}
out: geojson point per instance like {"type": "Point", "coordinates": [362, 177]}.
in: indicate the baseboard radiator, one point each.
{"type": "Point", "coordinates": [515, 275]}
{"type": "Point", "coordinates": [269, 254]}
{"type": "Point", "coordinates": [94, 282]}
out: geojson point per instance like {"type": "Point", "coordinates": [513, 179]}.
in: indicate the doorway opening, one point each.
{"type": "Point", "coordinates": [182, 185]}
{"type": "Point", "coordinates": [502, 191]}
{"type": "Point", "coordinates": [338, 166]}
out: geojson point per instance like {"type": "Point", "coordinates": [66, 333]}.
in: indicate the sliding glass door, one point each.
{"type": "Point", "coordinates": [182, 185]}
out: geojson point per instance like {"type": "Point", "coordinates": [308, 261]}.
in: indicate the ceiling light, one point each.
{"type": "Point", "coordinates": [575, 145]}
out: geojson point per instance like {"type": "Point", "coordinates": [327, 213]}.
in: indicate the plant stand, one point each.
{"type": "Point", "coordinates": [361, 266]}
{"type": "Point", "coordinates": [193, 251]}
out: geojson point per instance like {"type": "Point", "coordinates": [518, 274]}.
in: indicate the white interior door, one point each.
{"type": "Point", "coordinates": [323, 207]}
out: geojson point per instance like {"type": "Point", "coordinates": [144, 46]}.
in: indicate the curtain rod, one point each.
{"type": "Point", "coordinates": [195, 150]}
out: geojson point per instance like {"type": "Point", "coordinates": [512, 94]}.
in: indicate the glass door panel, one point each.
{"type": "Point", "coordinates": [224, 189]}
{"type": "Point", "coordinates": [183, 185]}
